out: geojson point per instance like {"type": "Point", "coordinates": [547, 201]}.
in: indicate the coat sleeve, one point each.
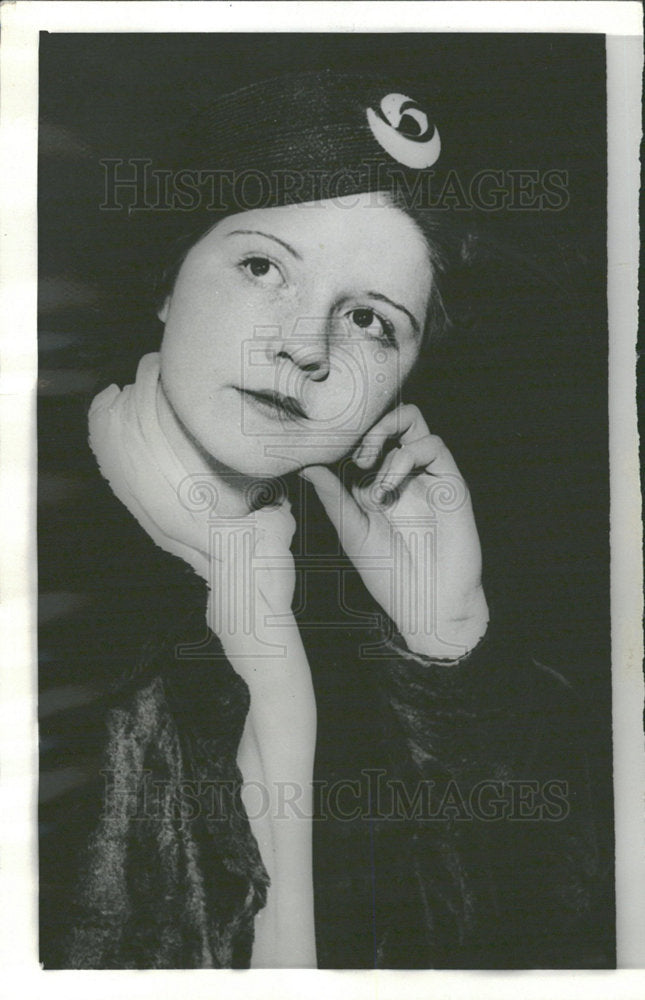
{"type": "Point", "coordinates": [499, 796]}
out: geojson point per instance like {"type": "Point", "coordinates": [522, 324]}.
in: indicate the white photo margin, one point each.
{"type": "Point", "coordinates": [621, 22]}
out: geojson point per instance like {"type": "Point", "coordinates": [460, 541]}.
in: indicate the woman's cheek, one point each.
{"type": "Point", "coordinates": [357, 390]}
{"type": "Point", "coordinates": [384, 385]}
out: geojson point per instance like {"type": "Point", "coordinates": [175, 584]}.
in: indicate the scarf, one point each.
{"type": "Point", "coordinates": [249, 571]}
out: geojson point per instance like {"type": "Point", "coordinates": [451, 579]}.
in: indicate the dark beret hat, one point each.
{"type": "Point", "coordinates": [292, 139]}
{"type": "Point", "coordinates": [307, 136]}
{"type": "Point", "coordinates": [301, 137]}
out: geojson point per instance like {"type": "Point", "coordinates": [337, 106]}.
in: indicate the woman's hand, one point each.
{"type": "Point", "coordinates": [410, 532]}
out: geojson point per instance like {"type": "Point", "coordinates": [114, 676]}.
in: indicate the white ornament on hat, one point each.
{"type": "Point", "coordinates": [411, 151]}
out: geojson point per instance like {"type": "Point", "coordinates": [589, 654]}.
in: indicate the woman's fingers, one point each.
{"type": "Point", "coordinates": [394, 424]}
{"type": "Point", "coordinates": [418, 451]}
{"type": "Point", "coordinates": [397, 466]}
{"type": "Point", "coordinates": [426, 450]}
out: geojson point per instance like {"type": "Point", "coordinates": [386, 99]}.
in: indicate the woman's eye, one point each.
{"type": "Point", "coordinates": [373, 325]}
{"type": "Point", "coordinates": [263, 270]}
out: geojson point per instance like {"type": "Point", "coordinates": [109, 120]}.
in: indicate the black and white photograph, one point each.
{"type": "Point", "coordinates": [323, 502]}
{"type": "Point", "coordinates": [323, 484]}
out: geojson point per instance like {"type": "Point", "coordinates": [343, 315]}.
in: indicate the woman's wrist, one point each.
{"type": "Point", "coordinates": [453, 638]}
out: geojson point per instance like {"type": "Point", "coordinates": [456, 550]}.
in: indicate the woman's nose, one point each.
{"type": "Point", "coordinates": [307, 347]}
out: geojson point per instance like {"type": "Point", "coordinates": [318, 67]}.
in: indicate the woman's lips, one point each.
{"type": "Point", "coordinates": [274, 404]}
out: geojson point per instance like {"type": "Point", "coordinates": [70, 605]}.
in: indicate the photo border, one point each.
{"type": "Point", "coordinates": [21, 22]}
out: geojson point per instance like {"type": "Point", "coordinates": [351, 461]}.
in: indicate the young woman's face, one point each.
{"type": "Point", "coordinates": [291, 330]}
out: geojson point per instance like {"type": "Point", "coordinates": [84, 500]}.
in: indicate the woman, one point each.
{"type": "Point", "coordinates": [392, 788]}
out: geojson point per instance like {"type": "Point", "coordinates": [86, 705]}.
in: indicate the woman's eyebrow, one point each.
{"type": "Point", "coordinates": [268, 236]}
{"type": "Point", "coordinates": [397, 305]}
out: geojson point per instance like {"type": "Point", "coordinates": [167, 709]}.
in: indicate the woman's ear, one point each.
{"type": "Point", "coordinates": [163, 311]}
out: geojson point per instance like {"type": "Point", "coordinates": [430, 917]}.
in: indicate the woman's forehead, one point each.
{"type": "Point", "coordinates": [366, 224]}
{"type": "Point", "coordinates": [370, 207]}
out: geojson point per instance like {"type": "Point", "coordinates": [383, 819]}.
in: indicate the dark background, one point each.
{"type": "Point", "coordinates": [519, 395]}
